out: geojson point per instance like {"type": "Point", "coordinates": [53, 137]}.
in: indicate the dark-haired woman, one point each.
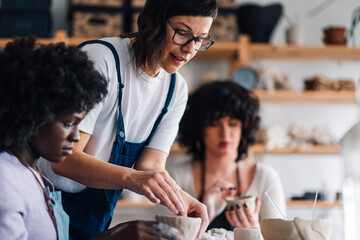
{"type": "Point", "coordinates": [45, 92]}
{"type": "Point", "coordinates": [218, 126]}
{"type": "Point", "coordinates": [137, 122]}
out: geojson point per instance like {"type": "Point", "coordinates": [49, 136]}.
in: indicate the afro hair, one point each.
{"type": "Point", "coordinates": [41, 82]}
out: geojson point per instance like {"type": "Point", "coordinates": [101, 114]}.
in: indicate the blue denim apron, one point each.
{"type": "Point", "coordinates": [62, 219]}
{"type": "Point", "coordinates": [91, 210]}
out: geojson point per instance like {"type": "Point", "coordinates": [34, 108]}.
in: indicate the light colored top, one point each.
{"type": "Point", "coordinates": [23, 211]}
{"type": "Point", "coordinates": [142, 101]}
{"type": "Point", "coordinates": [266, 179]}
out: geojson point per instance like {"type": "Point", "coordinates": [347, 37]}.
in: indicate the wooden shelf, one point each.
{"type": "Point", "coordinates": [311, 149]}
{"type": "Point", "coordinates": [310, 203]}
{"type": "Point", "coordinates": [261, 149]}
{"type": "Point", "coordinates": [220, 50]}
{"type": "Point", "coordinates": [287, 96]}
{"type": "Point", "coordinates": [289, 52]}
{"type": "Point", "coordinates": [128, 204]}
{"type": "Point", "coordinates": [242, 51]}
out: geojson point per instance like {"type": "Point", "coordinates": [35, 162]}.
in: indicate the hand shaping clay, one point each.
{"type": "Point", "coordinates": [187, 227]}
{"type": "Point", "coordinates": [297, 229]}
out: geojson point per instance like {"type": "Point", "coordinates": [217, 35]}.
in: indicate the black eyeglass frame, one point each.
{"type": "Point", "coordinates": [196, 39]}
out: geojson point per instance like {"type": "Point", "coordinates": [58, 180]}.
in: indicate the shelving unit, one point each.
{"type": "Point", "coordinates": [286, 96]}
{"type": "Point", "coordinates": [261, 149]}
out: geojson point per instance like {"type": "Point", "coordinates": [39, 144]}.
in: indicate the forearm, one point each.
{"type": "Point", "coordinates": [93, 172]}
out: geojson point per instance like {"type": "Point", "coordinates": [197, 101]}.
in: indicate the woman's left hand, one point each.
{"type": "Point", "coordinates": [196, 209]}
{"type": "Point", "coordinates": [242, 217]}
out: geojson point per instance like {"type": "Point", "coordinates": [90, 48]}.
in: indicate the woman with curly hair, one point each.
{"type": "Point", "coordinates": [45, 91]}
{"type": "Point", "coordinates": [219, 124]}
{"type": "Point", "coordinates": [126, 139]}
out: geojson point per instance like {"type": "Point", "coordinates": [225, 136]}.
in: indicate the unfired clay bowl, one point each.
{"type": "Point", "coordinates": [249, 200]}
{"type": "Point", "coordinates": [247, 234]}
{"type": "Point", "coordinates": [188, 227]}
{"type": "Point", "coordinates": [297, 229]}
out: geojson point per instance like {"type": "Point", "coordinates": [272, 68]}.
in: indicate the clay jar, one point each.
{"type": "Point", "coordinates": [249, 200]}
{"type": "Point", "coordinates": [297, 229]}
{"type": "Point", "coordinates": [335, 35]}
{"type": "Point", "coordinates": [188, 227]}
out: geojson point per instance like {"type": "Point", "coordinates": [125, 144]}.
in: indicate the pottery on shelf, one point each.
{"type": "Point", "coordinates": [335, 35]}
{"type": "Point", "coordinates": [188, 227]}
{"type": "Point", "coordinates": [297, 229]}
{"type": "Point", "coordinates": [249, 200]}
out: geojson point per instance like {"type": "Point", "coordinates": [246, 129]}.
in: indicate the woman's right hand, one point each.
{"type": "Point", "coordinates": [142, 230]}
{"type": "Point", "coordinates": [158, 187]}
{"type": "Point", "coordinates": [215, 197]}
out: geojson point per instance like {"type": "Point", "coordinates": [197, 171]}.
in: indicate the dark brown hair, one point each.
{"type": "Point", "coordinates": [211, 102]}
{"type": "Point", "coordinates": [152, 26]}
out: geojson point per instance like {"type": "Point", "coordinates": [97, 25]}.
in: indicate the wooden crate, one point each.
{"type": "Point", "coordinates": [103, 3]}
{"type": "Point", "coordinates": [138, 3]}
{"type": "Point", "coordinates": [134, 17]}
{"type": "Point", "coordinates": [96, 24]}
{"type": "Point", "coordinates": [225, 3]}
{"type": "Point", "coordinates": [225, 29]}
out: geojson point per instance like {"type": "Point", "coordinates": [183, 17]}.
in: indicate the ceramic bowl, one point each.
{"type": "Point", "coordinates": [249, 200]}
{"type": "Point", "coordinates": [297, 229]}
{"type": "Point", "coordinates": [335, 35]}
{"type": "Point", "coordinates": [188, 227]}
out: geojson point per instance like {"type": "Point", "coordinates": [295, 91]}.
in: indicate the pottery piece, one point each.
{"type": "Point", "coordinates": [335, 35]}
{"type": "Point", "coordinates": [247, 234]}
{"type": "Point", "coordinates": [297, 229]}
{"type": "Point", "coordinates": [188, 227]}
{"type": "Point", "coordinates": [295, 35]}
{"type": "Point", "coordinates": [249, 200]}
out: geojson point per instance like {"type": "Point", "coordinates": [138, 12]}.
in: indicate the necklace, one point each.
{"type": "Point", "coordinates": [48, 199]}
{"type": "Point", "coordinates": [202, 191]}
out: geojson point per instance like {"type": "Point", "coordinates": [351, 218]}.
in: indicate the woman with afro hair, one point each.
{"type": "Point", "coordinates": [219, 124]}
{"type": "Point", "coordinates": [45, 91]}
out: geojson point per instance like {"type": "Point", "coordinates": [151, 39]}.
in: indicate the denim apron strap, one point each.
{"type": "Point", "coordinates": [91, 210]}
{"type": "Point", "coordinates": [62, 219]}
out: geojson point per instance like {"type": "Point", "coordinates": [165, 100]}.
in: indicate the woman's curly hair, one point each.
{"type": "Point", "coordinates": [41, 82]}
{"type": "Point", "coordinates": [211, 102]}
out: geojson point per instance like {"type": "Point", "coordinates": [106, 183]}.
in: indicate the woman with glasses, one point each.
{"type": "Point", "coordinates": [126, 138]}
{"type": "Point", "coordinates": [45, 92]}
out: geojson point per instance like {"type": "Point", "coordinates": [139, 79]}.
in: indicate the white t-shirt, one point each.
{"type": "Point", "coordinates": [142, 101]}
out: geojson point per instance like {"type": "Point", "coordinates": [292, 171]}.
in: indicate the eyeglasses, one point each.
{"type": "Point", "coordinates": [182, 38]}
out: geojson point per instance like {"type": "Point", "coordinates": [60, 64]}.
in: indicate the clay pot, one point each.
{"type": "Point", "coordinates": [335, 35]}
{"type": "Point", "coordinates": [188, 227]}
{"type": "Point", "coordinates": [249, 200]}
{"type": "Point", "coordinates": [297, 229]}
